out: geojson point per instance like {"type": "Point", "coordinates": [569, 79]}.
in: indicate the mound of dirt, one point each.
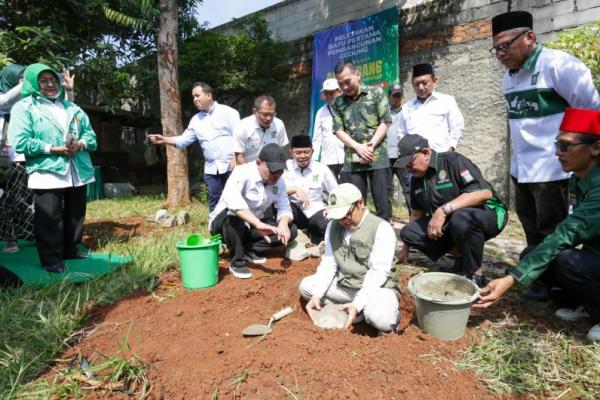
{"type": "Point", "coordinates": [192, 341]}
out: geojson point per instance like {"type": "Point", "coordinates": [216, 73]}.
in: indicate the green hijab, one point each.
{"type": "Point", "coordinates": [30, 81]}
{"type": "Point", "coordinates": [9, 77]}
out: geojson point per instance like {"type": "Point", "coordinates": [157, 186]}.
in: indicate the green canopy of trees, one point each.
{"type": "Point", "coordinates": [584, 43]}
{"type": "Point", "coordinates": [115, 63]}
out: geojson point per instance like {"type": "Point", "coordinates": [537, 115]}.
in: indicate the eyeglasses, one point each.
{"type": "Point", "coordinates": [48, 82]}
{"type": "Point", "coordinates": [349, 213]}
{"type": "Point", "coordinates": [564, 146]}
{"type": "Point", "coordinates": [267, 115]}
{"type": "Point", "coordinates": [503, 47]}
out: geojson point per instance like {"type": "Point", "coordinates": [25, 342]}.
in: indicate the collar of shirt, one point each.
{"type": "Point", "coordinates": [433, 96]}
{"type": "Point", "coordinates": [265, 130]}
{"type": "Point", "coordinates": [296, 167]}
{"type": "Point", "coordinates": [433, 163]}
{"type": "Point", "coordinates": [395, 111]}
{"type": "Point", "coordinates": [531, 61]}
{"type": "Point", "coordinates": [590, 180]}
{"type": "Point", "coordinates": [363, 89]}
{"type": "Point", "coordinates": [210, 111]}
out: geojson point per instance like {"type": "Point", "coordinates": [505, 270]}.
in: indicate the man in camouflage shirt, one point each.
{"type": "Point", "coordinates": [361, 117]}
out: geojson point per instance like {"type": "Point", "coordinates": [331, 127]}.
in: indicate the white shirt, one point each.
{"type": "Point", "coordinates": [380, 263]}
{"type": "Point", "coordinates": [48, 180]}
{"type": "Point", "coordinates": [328, 149]}
{"type": "Point", "coordinates": [537, 95]}
{"type": "Point", "coordinates": [437, 119]}
{"type": "Point", "coordinates": [393, 133]}
{"type": "Point", "coordinates": [245, 189]}
{"type": "Point", "coordinates": [249, 137]}
{"type": "Point", "coordinates": [314, 180]}
{"type": "Point", "coordinates": [214, 131]}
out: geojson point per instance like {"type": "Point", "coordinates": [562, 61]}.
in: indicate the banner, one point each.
{"type": "Point", "coordinates": [372, 45]}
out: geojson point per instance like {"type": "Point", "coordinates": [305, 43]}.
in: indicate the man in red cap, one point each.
{"type": "Point", "coordinates": [572, 274]}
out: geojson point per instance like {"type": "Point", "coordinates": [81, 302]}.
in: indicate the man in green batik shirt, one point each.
{"type": "Point", "coordinates": [571, 273]}
{"type": "Point", "coordinates": [361, 117]}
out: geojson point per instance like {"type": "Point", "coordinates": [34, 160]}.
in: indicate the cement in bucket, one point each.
{"type": "Point", "coordinates": [443, 302]}
{"type": "Point", "coordinates": [199, 264]}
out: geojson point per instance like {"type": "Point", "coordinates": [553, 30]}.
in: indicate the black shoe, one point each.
{"type": "Point", "coordinates": [455, 269]}
{"type": "Point", "coordinates": [479, 280]}
{"type": "Point", "coordinates": [253, 258]}
{"type": "Point", "coordinates": [537, 294]}
{"type": "Point", "coordinates": [78, 256]}
{"type": "Point", "coordinates": [56, 268]}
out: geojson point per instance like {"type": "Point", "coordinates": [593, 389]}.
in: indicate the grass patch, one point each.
{"type": "Point", "coordinates": [514, 358]}
{"type": "Point", "coordinates": [36, 323]}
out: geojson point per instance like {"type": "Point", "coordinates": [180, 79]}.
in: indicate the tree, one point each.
{"type": "Point", "coordinates": [170, 101]}
{"type": "Point", "coordinates": [584, 43]}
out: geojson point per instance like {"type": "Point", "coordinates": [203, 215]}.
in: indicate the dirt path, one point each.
{"type": "Point", "coordinates": [192, 342]}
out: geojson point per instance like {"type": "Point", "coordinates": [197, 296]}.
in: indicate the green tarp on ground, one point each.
{"type": "Point", "coordinates": [25, 265]}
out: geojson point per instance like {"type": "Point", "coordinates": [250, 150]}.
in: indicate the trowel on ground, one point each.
{"type": "Point", "coordinates": [260, 330]}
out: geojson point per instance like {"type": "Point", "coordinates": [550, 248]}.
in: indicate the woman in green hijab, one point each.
{"type": "Point", "coordinates": [56, 136]}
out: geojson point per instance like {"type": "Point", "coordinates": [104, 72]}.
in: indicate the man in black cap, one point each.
{"type": "Point", "coordinates": [431, 114]}
{"type": "Point", "coordinates": [538, 85]}
{"type": "Point", "coordinates": [239, 215]}
{"type": "Point", "coordinates": [453, 207]}
{"type": "Point", "coordinates": [308, 182]}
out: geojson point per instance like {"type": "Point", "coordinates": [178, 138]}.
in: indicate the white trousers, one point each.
{"type": "Point", "coordinates": [381, 311]}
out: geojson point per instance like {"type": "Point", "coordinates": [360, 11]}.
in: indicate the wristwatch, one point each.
{"type": "Point", "coordinates": [447, 209]}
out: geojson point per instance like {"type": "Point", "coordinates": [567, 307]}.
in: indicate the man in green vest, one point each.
{"type": "Point", "coordinates": [572, 273]}
{"type": "Point", "coordinates": [357, 269]}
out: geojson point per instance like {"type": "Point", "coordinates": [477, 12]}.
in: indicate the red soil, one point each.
{"type": "Point", "coordinates": [193, 345]}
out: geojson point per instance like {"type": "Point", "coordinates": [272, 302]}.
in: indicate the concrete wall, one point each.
{"type": "Point", "coordinates": [454, 35]}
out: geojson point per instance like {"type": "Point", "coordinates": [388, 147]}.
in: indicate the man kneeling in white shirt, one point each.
{"type": "Point", "coordinates": [357, 269]}
{"type": "Point", "coordinates": [240, 215]}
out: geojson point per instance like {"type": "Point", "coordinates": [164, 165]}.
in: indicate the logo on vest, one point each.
{"type": "Point", "coordinates": [316, 178]}
{"type": "Point", "coordinates": [275, 189]}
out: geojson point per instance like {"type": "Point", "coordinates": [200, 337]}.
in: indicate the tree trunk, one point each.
{"type": "Point", "coordinates": [170, 104]}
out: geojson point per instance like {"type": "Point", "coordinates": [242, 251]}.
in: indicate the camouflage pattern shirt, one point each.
{"type": "Point", "coordinates": [359, 118]}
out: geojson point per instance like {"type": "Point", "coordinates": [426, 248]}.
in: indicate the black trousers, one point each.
{"type": "Point", "coordinates": [379, 181]}
{"type": "Point", "coordinates": [573, 279]}
{"type": "Point", "coordinates": [315, 225]}
{"type": "Point", "coordinates": [336, 170]}
{"type": "Point", "coordinates": [240, 239]}
{"type": "Point", "coordinates": [58, 220]}
{"type": "Point", "coordinates": [403, 177]}
{"type": "Point", "coordinates": [540, 207]}
{"type": "Point", "coordinates": [466, 229]}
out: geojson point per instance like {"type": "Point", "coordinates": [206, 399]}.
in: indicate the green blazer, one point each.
{"type": "Point", "coordinates": [34, 128]}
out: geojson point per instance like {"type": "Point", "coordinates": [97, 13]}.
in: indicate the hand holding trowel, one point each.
{"type": "Point", "coordinates": [261, 330]}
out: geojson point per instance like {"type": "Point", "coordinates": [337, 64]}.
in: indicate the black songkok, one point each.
{"type": "Point", "coordinates": [422, 69]}
{"type": "Point", "coordinates": [301, 141]}
{"type": "Point", "coordinates": [511, 20]}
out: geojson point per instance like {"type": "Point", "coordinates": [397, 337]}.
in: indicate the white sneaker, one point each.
{"type": "Point", "coordinates": [240, 272]}
{"type": "Point", "coordinates": [10, 247]}
{"type": "Point", "coordinates": [569, 314]}
{"type": "Point", "coordinates": [253, 258]}
{"type": "Point", "coordinates": [594, 333]}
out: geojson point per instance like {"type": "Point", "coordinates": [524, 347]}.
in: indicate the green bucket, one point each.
{"type": "Point", "coordinates": [199, 264]}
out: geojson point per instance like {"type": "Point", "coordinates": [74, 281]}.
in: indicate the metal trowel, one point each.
{"type": "Point", "coordinates": [260, 330]}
